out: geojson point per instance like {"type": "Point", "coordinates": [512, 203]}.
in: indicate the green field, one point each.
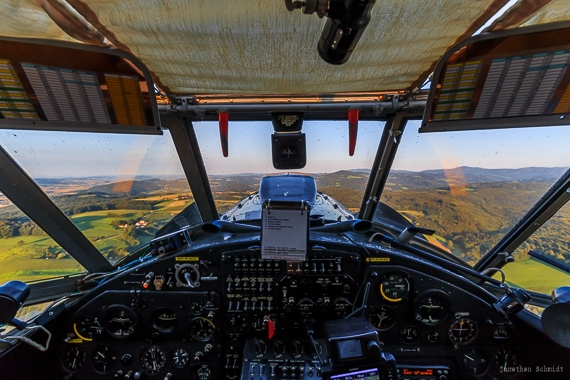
{"type": "Point", "coordinates": [29, 258]}
{"type": "Point", "coordinates": [535, 275]}
{"type": "Point", "coordinates": [29, 269]}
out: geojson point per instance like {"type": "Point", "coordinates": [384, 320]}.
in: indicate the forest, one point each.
{"type": "Point", "coordinates": [14, 223]}
{"type": "Point", "coordinates": [469, 208]}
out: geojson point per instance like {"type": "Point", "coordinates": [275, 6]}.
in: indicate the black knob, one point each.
{"type": "Point", "coordinates": [373, 347]}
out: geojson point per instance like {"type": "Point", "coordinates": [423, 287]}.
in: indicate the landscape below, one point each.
{"type": "Point", "coordinates": [469, 208]}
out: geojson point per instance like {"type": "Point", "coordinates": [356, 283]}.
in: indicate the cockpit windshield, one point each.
{"type": "Point", "coordinates": [26, 251]}
{"type": "Point", "coordinates": [117, 189]}
{"type": "Point", "coordinates": [338, 174]}
{"type": "Point", "coordinates": [471, 188]}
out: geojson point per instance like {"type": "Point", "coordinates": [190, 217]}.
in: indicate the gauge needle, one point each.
{"type": "Point", "coordinates": [75, 359]}
{"type": "Point", "coordinates": [470, 358]}
{"type": "Point", "coordinates": [100, 354]}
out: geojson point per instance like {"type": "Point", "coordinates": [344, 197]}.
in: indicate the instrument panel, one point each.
{"type": "Point", "coordinates": [228, 313]}
{"type": "Point", "coordinates": [134, 333]}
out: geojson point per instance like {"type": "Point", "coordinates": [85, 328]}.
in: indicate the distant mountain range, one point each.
{"type": "Point", "coordinates": [357, 178]}
{"type": "Point", "coordinates": [470, 175]}
{"type": "Point", "coordinates": [139, 187]}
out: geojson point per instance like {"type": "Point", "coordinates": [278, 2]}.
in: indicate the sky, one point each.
{"type": "Point", "coordinates": [63, 154]}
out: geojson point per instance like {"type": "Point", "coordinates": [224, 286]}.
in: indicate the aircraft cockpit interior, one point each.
{"type": "Point", "coordinates": [297, 190]}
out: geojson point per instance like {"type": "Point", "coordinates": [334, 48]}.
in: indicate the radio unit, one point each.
{"type": "Point", "coordinates": [356, 355]}
{"type": "Point", "coordinates": [413, 372]}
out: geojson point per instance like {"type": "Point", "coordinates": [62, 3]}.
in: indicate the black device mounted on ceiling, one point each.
{"type": "Point", "coordinates": [346, 22]}
{"type": "Point", "coordinates": [288, 143]}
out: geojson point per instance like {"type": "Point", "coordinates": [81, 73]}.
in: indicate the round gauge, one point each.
{"type": "Point", "coordinates": [431, 307]}
{"type": "Point", "coordinates": [180, 357]}
{"type": "Point", "coordinates": [507, 361]}
{"type": "Point", "coordinates": [382, 317]}
{"type": "Point", "coordinates": [120, 321]}
{"type": "Point", "coordinates": [202, 329]}
{"type": "Point", "coordinates": [103, 358]}
{"type": "Point", "coordinates": [394, 287]}
{"type": "Point", "coordinates": [278, 348]}
{"type": "Point", "coordinates": [341, 307]}
{"type": "Point", "coordinates": [73, 357]}
{"type": "Point", "coordinates": [87, 328]}
{"type": "Point", "coordinates": [153, 359]}
{"type": "Point", "coordinates": [502, 332]}
{"type": "Point", "coordinates": [306, 306]}
{"type": "Point", "coordinates": [298, 349]}
{"type": "Point", "coordinates": [475, 362]}
{"type": "Point", "coordinates": [202, 372]}
{"type": "Point", "coordinates": [164, 319]}
{"type": "Point", "coordinates": [462, 331]}
{"type": "Point", "coordinates": [196, 308]}
{"type": "Point", "coordinates": [409, 334]}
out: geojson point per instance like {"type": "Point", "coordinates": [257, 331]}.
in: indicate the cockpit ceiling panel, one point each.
{"type": "Point", "coordinates": [259, 48]}
{"type": "Point", "coordinates": [557, 10]}
{"type": "Point", "coordinates": [27, 19]}
{"type": "Point", "coordinates": [527, 13]}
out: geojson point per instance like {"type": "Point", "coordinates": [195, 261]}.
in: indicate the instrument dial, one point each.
{"type": "Point", "coordinates": [153, 360]}
{"type": "Point", "coordinates": [462, 331]}
{"type": "Point", "coordinates": [201, 329]}
{"type": "Point", "coordinates": [298, 349]}
{"type": "Point", "coordinates": [432, 307]}
{"type": "Point", "coordinates": [409, 334]}
{"type": "Point", "coordinates": [341, 307]}
{"type": "Point", "coordinates": [202, 373]}
{"type": "Point", "coordinates": [103, 359]}
{"type": "Point", "coordinates": [306, 307]}
{"type": "Point", "coordinates": [507, 362]}
{"type": "Point", "coordinates": [87, 328]}
{"type": "Point", "coordinates": [180, 357]}
{"type": "Point", "coordinates": [475, 362]}
{"type": "Point", "coordinates": [382, 317]}
{"type": "Point", "coordinates": [73, 357]}
{"type": "Point", "coordinates": [502, 333]}
{"type": "Point", "coordinates": [164, 319]}
{"type": "Point", "coordinates": [196, 308]}
{"type": "Point", "coordinates": [120, 321]}
{"type": "Point", "coordinates": [394, 287]}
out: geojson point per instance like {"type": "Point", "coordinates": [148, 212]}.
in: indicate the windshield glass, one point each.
{"type": "Point", "coordinates": [27, 253]}
{"type": "Point", "coordinates": [337, 174]}
{"type": "Point", "coordinates": [471, 187]}
{"type": "Point", "coordinates": [119, 190]}
{"type": "Point", "coordinates": [542, 262]}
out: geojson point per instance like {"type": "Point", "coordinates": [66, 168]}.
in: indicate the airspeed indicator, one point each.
{"type": "Point", "coordinates": [394, 287]}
